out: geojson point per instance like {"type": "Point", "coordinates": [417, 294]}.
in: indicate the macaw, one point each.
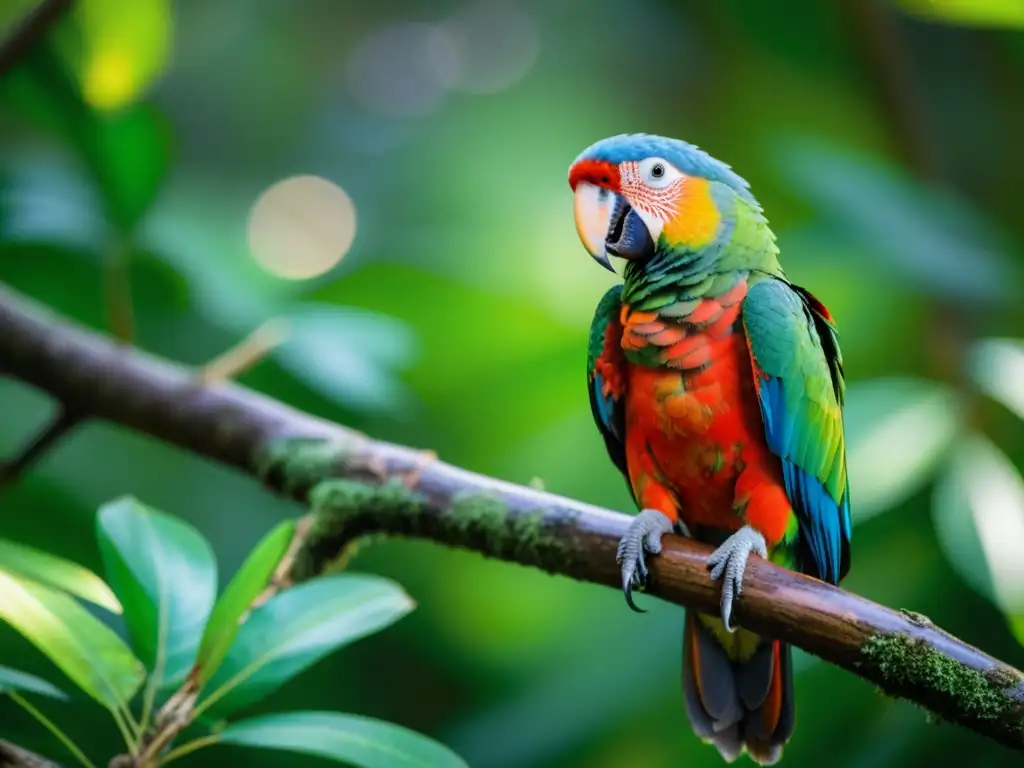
{"type": "Point", "coordinates": [718, 387]}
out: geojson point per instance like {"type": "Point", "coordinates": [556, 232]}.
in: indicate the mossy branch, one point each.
{"type": "Point", "coordinates": [358, 487]}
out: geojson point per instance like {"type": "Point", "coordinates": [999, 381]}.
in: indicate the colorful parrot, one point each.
{"type": "Point", "coordinates": [718, 387]}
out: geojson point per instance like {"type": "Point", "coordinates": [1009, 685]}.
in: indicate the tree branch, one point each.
{"type": "Point", "coordinates": [13, 756]}
{"type": "Point", "coordinates": [358, 486]}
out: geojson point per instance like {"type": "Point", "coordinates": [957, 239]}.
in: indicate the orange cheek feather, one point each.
{"type": "Point", "coordinates": [697, 218]}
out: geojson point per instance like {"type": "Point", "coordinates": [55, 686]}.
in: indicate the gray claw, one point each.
{"type": "Point", "coordinates": [730, 561]}
{"type": "Point", "coordinates": [643, 536]}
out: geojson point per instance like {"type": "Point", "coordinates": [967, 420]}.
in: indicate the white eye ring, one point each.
{"type": "Point", "coordinates": [658, 173]}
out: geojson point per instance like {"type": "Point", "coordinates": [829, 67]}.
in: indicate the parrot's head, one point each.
{"type": "Point", "coordinates": [636, 194]}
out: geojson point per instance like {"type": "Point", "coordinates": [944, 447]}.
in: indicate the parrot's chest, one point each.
{"type": "Point", "coordinates": [701, 427]}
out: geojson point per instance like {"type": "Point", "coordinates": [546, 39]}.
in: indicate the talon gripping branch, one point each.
{"type": "Point", "coordinates": [718, 387]}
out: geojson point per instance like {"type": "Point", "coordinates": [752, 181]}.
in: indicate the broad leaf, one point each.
{"type": "Point", "coordinates": [130, 152]}
{"type": "Point", "coordinates": [897, 430]}
{"type": "Point", "coordinates": [251, 579]}
{"type": "Point", "coordinates": [15, 680]}
{"type": "Point", "coordinates": [165, 575]}
{"type": "Point", "coordinates": [85, 649]}
{"type": "Point", "coordinates": [56, 572]}
{"type": "Point", "coordinates": [352, 739]}
{"type": "Point", "coordinates": [296, 628]}
{"type": "Point", "coordinates": [997, 366]}
{"type": "Point", "coordinates": [350, 355]}
{"type": "Point", "coordinates": [981, 13]}
{"type": "Point", "coordinates": [979, 519]}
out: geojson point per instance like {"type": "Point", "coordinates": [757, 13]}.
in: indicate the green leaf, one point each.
{"type": "Point", "coordinates": [165, 574]}
{"type": "Point", "coordinates": [125, 46]}
{"type": "Point", "coordinates": [350, 355]}
{"type": "Point", "coordinates": [130, 154]}
{"type": "Point", "coordinates": [15, 680]}
{"type": "Point", "coordinates": [127, 151]}
{"type": "Point", "coordinates": [897, 432]}
{"type": "Point", "coordinates": [296, 628]}
{"type": "Point", "coordinates": [979, 519]}
{"type": "Point", "coordinates": [997, 366]}
{"type": "Point", "coordinates": [243, 588]}
{"type": "Point", "coordinates": [85, 649]}
{"type": "Point", "coordinates": [353, 739]}
{"type": "Point", "coordinates": [56, 572]}
{"type": "Point", "coordinates": [982, 13]}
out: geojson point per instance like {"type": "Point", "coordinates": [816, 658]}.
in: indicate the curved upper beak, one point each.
{"type": "Point", "coordinates": [594, 208]}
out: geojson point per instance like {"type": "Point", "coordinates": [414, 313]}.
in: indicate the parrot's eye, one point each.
{"type": "Point", "coordinates": [657, 173]}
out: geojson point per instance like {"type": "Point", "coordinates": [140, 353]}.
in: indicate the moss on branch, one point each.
{"type": "Point", "coordinates": [961, 694]}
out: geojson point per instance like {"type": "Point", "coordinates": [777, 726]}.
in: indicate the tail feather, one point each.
{"type": "Point", "coordinates": [738, 705]}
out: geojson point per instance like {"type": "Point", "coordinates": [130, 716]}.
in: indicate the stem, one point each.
{"type": "Point", "coordinates": [52, 728]}
{"type": "Point", "coordinates": [118, 292]}
{"type": "Point", "coordinates": [149, 695]}
{"type": "Point", "coordinates": [189, 747]}
{"type": "Point", "coordinates": [122, 723]}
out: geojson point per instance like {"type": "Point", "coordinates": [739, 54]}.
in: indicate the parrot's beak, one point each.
{"type": "Point", "coordinates": [596, 210]}
{"type": "Point", "coordinates": [608, 225]}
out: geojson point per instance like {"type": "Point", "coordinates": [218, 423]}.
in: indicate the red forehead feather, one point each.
{"type": "Point", "coordinates": [598, 172]}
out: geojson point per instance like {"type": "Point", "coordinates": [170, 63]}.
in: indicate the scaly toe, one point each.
{"type": "Point", "coordinates": [643, 536]}
{"type": "Point", "coordinates": [729, 563]}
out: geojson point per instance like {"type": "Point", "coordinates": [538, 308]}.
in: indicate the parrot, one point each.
{"type": "Point", "coordinates": [718, 387]}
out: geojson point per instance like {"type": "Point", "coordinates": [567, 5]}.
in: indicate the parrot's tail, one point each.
{"type": "Point", "coordinates": [737, 704]}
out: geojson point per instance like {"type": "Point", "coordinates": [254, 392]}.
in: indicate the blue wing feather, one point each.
{"type": "Point", "coordinates": [795, 347]}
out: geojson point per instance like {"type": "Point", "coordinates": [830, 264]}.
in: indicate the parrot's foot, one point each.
{"type": "Point", "coordinates": [643, 536]}
{"type": "Point", "coordinates": [730, 561]}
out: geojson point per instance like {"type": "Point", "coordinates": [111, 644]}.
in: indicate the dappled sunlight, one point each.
{"type": "Point", "coordinates": [898, 430]}
{"type": "Point", "coordinates": [981, 522]}
{"type": "Point", "coordinates": [998, 367]}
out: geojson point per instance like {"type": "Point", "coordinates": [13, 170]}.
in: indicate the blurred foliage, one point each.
{"type": "Point", "coordinates": [163, 572]}
{"type": "Point", "coordinates": [982, 12]}
{"type": "Point", "coordinates": [135, 142]}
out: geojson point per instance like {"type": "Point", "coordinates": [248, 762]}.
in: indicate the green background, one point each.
{"type": "Point", "coordinates": [884, 142]}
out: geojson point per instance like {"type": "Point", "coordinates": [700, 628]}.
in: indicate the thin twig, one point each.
{"type": "Point", "coordinates": [28, 32]}
{"type": "Point", "coordinates": [244, 355]}
{"type": "Point", "coordinates": [61, 424]}
{"type": "Point", "coordinates": [296, 454]}
{"type": "Point", "coordinates": [117, 292]}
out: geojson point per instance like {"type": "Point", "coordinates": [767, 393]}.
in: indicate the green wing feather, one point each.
{"type": "Point", "coordinates": [608, 405]}
{"type": "Point", "coordinates": [800, 386]}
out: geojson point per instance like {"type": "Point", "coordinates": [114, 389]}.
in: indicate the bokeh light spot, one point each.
{"type": "Point", "coordinates": [301, 227]}
{"type": "Point", "coordinates": [396, 70]}
{"type": "Point", "coordinates": [495, 45]}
